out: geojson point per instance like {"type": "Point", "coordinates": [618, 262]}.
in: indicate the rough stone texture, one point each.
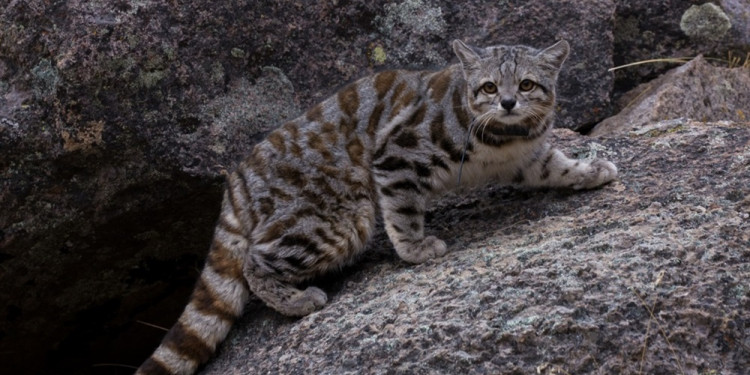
{"type": "Point", "coordinates": [650, 274]}
{"type": "Point", "coordinates": [707, 21]}
{"type": "Point", "coordinates": [696, 90]}
{"type": "Point", "coordinates": [117, 119]}
{"type": "Point", "coordinates": [646, 29]}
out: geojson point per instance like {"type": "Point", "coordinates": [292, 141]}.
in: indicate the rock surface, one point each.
{"type": "Point", "coordinates": [118, 118]}
{"type": "Point", "coordinates": [646, 29]}
{"type": "Point", "coordinates": [650, 274]}
{"type": "Point", "coordinates": [696, 90]}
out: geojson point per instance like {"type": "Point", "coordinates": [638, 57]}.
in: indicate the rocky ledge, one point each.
{"type": "Point", "coordinates": [646, 275]}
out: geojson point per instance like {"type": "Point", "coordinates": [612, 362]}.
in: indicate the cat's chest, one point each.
{"type": "Point", "coordinates": [490, 163]}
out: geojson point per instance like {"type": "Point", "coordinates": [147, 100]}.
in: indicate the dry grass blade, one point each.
{"type": "Point", "coordinates": [645, 345]}
{"type": "Point", "coordinates": [661, 329]}
{"type": "Point", "coordinates": [731, 61]}
{"type": "Point", "coordinates": [675, 60]}
{"type": "Point", "coordinates": [737, 61]}
{"type": "Point", "coordinates": [152, 325]}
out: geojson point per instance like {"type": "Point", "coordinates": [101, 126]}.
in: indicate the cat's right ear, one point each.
{"type": "Point", "coordinates": [466, 54]}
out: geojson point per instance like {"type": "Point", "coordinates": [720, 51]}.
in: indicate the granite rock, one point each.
{"type": "Point", "coordinates": [649, 274]}
{"type": "Point", "coordinates": [118, 119]}
{"type": "Point", "coordinates": [646, 30]}
{"type": "Point", "coordinates": [696, 90]}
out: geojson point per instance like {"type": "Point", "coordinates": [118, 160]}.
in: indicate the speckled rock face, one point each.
{"type": "Point", "coordinates": [696, 90]}
{"type": "Point", "coordinates": [647, 29]}
{"type": "Point", "coordinates": [118, 118]}
{"type": "Point", "coordinates": [650, 274]}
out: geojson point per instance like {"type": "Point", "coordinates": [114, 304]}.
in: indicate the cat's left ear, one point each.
{"type": "Point", "coordinates": [556, 54]}
{"type": "Point", "coordinates": [466, 54]}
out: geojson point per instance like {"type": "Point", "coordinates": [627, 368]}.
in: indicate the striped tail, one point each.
{"type": "Point", "coordinates": [218, 299]}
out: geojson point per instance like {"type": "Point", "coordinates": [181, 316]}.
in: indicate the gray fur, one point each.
{"type": "Point", "coordinates": [305, 201]}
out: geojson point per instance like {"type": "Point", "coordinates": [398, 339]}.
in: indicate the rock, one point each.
{"type": "Point", "coordinates": [696, 90]}
{"type": "Point", "coordinates": [647, 30]}
{"type": "Point", "coordinates": [117, 120]}
{"type": "Point", "coordinates": [646, 275]}
{"type": "Point", "coordinates": [707, 21]}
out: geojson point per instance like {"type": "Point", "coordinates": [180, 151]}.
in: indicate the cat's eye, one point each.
{"type": "Point", "coordinates": [489, 88]}
{"type": "Point", "coordinates": [527, 85]}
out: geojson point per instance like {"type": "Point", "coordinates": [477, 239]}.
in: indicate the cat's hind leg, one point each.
{"type": "Point", "coordinates": [283, 295]}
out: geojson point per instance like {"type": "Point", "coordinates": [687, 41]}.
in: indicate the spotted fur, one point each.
{"type": "Point", "coordinates": [305, 201]}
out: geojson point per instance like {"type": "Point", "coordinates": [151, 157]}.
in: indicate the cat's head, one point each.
{"type": "Point", "coordinates": [511, 89]}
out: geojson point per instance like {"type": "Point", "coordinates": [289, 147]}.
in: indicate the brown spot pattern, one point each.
{"type": "Point", "coordinates": [267, 207]}
{"type": "Point", "coordinates": [277, 229]}
{"type": "Point", "coordinates": [296, 150]}
{"type": "Point", "coordinates": [315, 114]}
{"type": "Point", "coordinates": [208, 303]}
{"type": "Point", "coordinates": [403, 102]}
{"type": "Point", "coordinates": [383, 83]}
{"type": "Point", "coordinates": [182, 340]}
{"type": "Point", "coordinates": [292, 129]}
{"type": "Point", "coordinates": [439, 84]}
{"type": "Point", "coordinates": [356, 151]}
{"type": "Point", "coordinates": [291, 175]}
{"type": "Point", "coordinates": [316, 143]}
{"type": "Point", "coordinates": [277, 141]}
{"type": "Point", "coordinates": [407, 139]}
{"type": "Point", "coordinates": [397, 92]}
{"type": "Point", "coordinates": [329, 132]}
{"type": "Point", "coordinates": [458, 109]}
{"type": "Point", "coordinates": [348, 99]}
{"type": "Point", "coordinates": [374, 120]}
{"type": "Point", "coordinates": [418, 116]}
{"type": "Point", "coordinates": [153, 367]}
{"type": "Point", "coordinates": [221, 260]}
{"type": "Point", "coordinates": [280, 194]}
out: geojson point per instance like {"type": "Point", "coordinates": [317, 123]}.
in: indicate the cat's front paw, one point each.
{"type": "Point", "coordinates": [601, 172]}
{"type": "Point", "coordinates": [430, 247]}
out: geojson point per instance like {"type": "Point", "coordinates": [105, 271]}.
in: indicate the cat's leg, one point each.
{"type": "Point", "coordinates": [281, 295]}
{"type": "Point", "coordinates": [403, 205]}
{"type": "Point", "coordinates": [551, 168]}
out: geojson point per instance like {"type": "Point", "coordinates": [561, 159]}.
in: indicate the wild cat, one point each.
{"type": "Point", "coordinates": [305, 201]}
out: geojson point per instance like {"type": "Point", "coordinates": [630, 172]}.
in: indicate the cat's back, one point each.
{"type": "Point", "coordinates": [343, 129]}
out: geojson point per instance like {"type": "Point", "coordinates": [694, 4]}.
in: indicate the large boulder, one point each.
{"type": "Point", "coordinates": [646, 30]}
{"type": "Point", "coordinates": [646, 275]}
{"type": "Point", "coordinates": [696, 90]}
{"type": "Point", "coordinates": [117, 120]}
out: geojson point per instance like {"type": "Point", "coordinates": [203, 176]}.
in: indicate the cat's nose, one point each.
{"type": "Point", "coordinates": [508, 104]}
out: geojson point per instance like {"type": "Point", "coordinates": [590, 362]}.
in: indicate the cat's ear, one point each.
{"type": "Point", "coordinates": [556, 54]}
{"type": "Point", "coordinates": [466, 54]}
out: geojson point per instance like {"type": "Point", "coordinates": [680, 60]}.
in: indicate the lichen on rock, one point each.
{"type": "Point", "coordinates": [412, 21]}
{"type": "Point", "coordinates": [707, 21]}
